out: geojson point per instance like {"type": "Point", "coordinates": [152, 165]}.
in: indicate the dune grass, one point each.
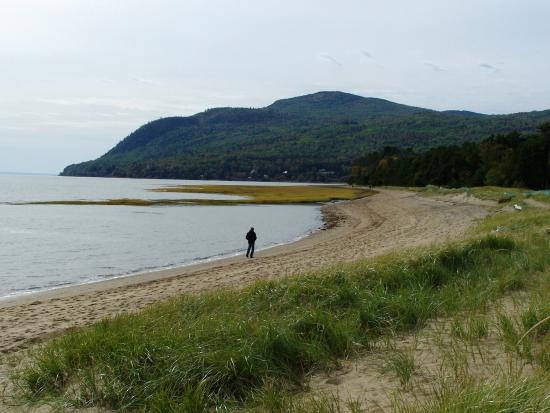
{"type": "Point", "coordinates": [251, 194]}
{"type": "Point", "coordinates": [474, 329]}
{"type": "Point", "coordinates": [402, 364]}
{"type": "Point", "coordinates": [221, 349]}
{"type": "Point", "coordinates": [514, 394]}
{"type": "Point", "coordinates": [526, 334]}
{"type": "Point", "coordinates": [490, 193]}
{"type": "Point", "coordinates": [523, 386]}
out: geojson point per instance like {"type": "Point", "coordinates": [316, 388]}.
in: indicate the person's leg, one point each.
{"type": "Point", "coordinates": [248, 250]}
{"type": "Point", "coordinates": [252, 251]}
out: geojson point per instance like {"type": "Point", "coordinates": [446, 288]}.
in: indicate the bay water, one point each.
{"type": "Point", "coordinates": [48, 246]}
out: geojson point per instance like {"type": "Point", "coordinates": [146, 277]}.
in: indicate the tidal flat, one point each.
{"type": "Point", "coordinates": [248, 195]}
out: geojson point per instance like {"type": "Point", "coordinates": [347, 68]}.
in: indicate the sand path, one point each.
{"type": "Point", "coordinates": [386, 221]}
{"type": "Point", "coordinates": [437, 355]}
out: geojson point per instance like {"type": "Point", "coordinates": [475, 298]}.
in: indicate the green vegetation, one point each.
{"type": "Point", "coordinates": [474, 329]}
{"type": "Point", "coordinates": [402, 365]}
{"type": "Point", "coordinates": [286, 194]}
{"type": "Point", "coordinates": [504, 160]}
{"type": "Point", "coordinates": [252, 194]}
{"type": "Point", "coordinates": [511, 395]}
{"type": "Point", "coordinates": [539, 196]}
{"type": "Point", "coordinates": [489, 193]}
{"type": "Point", "coordinates": [235, 348]}
{"type": "Point", "coordinates": [309, 138]}
{"type": "Point", "coordinates": [535, 346]}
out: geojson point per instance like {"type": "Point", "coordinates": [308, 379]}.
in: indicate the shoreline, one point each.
{"type": "Point", "coordinates": [39, 292]}
{"type": "Point", "coordinates": [378, 224]}
{"type": "Point", "coordinates": [329, 221]}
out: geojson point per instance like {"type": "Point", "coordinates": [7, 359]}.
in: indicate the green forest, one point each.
{"type": "Point", "coordinates": [508, 160]}
{"type": "Point", "coordinates": [308, 138]}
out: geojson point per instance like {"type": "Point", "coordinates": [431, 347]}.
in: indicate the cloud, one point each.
{"type": "Point", "coordinates": [328, 58]}
{"type": "Point", "coordinates": [487, 66]}
{"type": "Point", "coordinates": [366, 54]}
{"type": "Point", "coordinates": [434, 67]}
{"type": "Point", "coordinates": [142, 80]}
{"type": "Point", "coordinates": [142, 105]}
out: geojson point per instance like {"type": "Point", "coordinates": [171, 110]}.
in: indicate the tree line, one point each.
{"type": "Point", "coordinates": [512, 160]}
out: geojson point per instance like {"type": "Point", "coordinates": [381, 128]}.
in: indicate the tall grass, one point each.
{"type": "Point", "coordinates": [510, 395]}
{"type": "Point", "coordinates": [402, 364]}
{"type": "Point", "coordinates": [472, 329]}
{"type": "Point", "coordinates": [527, 333]}
{"type": "Point", "coordinates": [220, 349]}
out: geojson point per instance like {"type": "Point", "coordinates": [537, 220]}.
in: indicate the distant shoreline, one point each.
{"type": "Point", "coordinates": [8, 173]}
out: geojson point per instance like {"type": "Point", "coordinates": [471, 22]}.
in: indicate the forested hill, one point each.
{"type": "Point", "coordinates": [312, 137]}
{"type": "Point", "coordinates": [511, 160]}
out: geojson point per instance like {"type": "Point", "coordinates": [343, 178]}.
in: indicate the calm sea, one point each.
{"type": "Point", "coordinates": [48, 246]}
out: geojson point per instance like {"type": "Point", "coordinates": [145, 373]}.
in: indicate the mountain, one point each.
{"type": "Point", "coordinates": [339, 105]}
{"type": "Point", "coordinates": [312, 137]}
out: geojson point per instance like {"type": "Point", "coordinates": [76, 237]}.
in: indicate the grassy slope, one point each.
{"type": "Point", "coordinates": [525, 385]}
{"type": "Point", "coordinates": [253, 194]}
{"type": "Point", "coordinates": [233, 348]}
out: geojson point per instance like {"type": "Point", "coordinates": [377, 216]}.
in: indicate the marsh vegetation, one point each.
{"type": "Point", "coordinates": [250, 195]}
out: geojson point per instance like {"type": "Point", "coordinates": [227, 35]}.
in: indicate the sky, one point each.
{"type": "Point", "coordinates": [77, 76]}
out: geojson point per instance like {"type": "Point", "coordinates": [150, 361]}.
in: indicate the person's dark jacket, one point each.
{"type": "Point", "coordinates": [251, 236]}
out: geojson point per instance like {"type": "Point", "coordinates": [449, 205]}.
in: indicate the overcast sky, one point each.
{"type": "Point", "coordinates": [76, 76]}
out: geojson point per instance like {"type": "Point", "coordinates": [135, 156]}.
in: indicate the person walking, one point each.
{"type": "Point", "coordinates": [251, 238]}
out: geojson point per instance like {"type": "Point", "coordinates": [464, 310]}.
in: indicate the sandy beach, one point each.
{"type": "Point", "coordinates": [387, 221]}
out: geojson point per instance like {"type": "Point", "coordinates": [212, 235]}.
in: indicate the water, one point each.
{"type": "Point", "coordinates": [48, 246]}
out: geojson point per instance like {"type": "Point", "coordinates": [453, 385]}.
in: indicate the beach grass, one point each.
{"type": "Point", "coordinates": [249, 195]}
{"type": "Point", "coordinates": [491, 193]}
{"type": "Point", "coordinates": [224, 349]}
{"type": "Point", "coordinates": [402, 364]}
{"type": "Point", "coordinates": [513, 394]}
